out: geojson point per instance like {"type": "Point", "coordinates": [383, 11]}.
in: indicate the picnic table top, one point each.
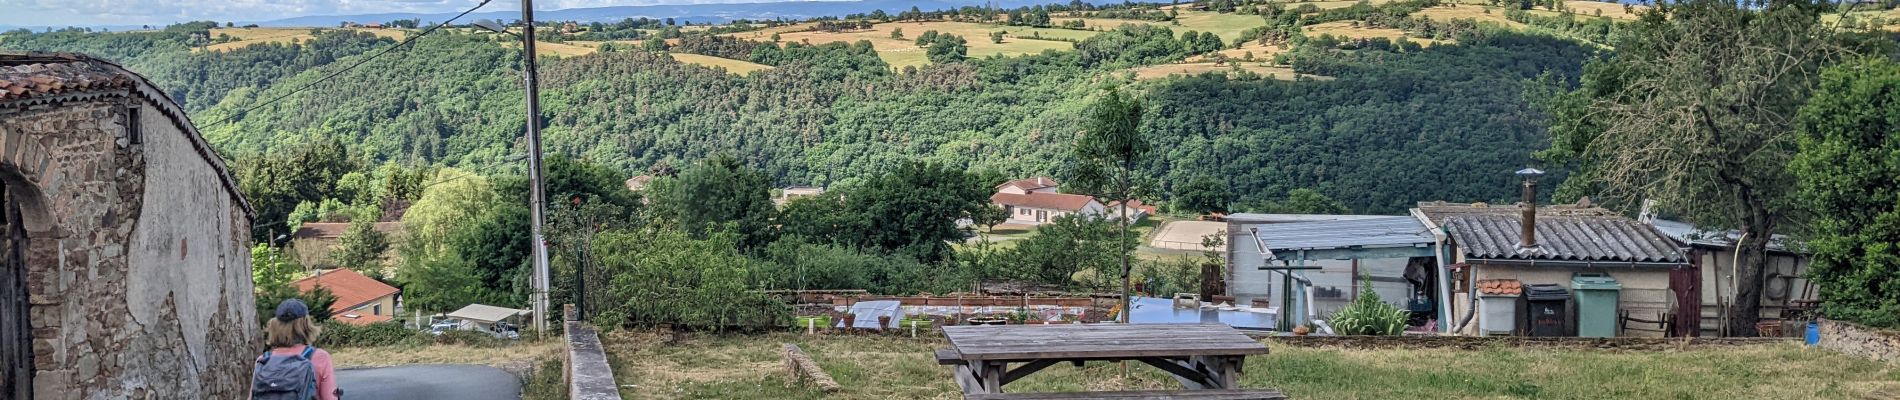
{"type": "Point", "coordinates": [1098, 341]}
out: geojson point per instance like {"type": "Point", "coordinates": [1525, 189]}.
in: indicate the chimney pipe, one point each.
{"type": "Point", "coordinates": [1528, 237]}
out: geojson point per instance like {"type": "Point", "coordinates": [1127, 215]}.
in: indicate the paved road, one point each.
{"type": "Point", "coordinates": [467, 382]}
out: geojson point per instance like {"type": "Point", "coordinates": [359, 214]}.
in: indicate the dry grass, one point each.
{"type": "Point", "coordinates": [250, 36]}
{"type": "Point", "coordinates": [730, 65]}
{"type": "Point", "coordinates": [1328, 5]}
{"type": "Point", "coordinates": [869, 367]}
{"type": "Point", "coordinates": [1344, 29]}
{"type": "Point", "coordinates": [369, 357]}
{"type": "Point", "coordinates": [1610, 10]}
{"type": "Point", "coordinates": [905, 52]}
{"type": "Point", "coordinates": [1227, 26]}
{"type": "Point", "coordinates": [1443, 13]}
{"type": "Point", "coordinates": [1261, 52]}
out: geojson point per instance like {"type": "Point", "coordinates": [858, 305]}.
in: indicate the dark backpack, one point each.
{"type": "Point", "coordinates": [284, 377]}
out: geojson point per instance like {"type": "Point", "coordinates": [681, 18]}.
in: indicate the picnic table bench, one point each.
{"type": "Point", "coordinates": [1205, 358]}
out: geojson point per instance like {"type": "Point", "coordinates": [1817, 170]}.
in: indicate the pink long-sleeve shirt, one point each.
{"type": "Point", "coordinates": [319, 361]}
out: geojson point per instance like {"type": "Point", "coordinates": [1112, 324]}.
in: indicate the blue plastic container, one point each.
{"type": "Point", "coordinates": [1814, 333]}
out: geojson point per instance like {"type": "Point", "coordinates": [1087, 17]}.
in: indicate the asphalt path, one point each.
{"type": "Point", "coordinates": [463, 382]}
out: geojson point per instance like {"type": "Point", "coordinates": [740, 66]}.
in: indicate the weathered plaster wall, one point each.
{"type": "Point", "coordinates": [139, 280]}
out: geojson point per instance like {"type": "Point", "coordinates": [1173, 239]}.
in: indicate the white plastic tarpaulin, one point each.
{"type": "Point", "coordinates": [868, 311]}
{"type": "Point", "coordinates": [486, 314]}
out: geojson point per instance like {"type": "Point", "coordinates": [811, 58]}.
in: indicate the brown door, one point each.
{"type": "Point", "coordinates": [16, 348]}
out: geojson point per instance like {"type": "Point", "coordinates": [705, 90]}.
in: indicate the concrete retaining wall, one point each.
{"type": "Point", "coordinates": [588, 375]}
{"type": "Point", "coordinates": [1854, 339]}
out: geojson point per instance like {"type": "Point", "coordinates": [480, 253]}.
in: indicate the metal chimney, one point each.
{"type": "Point", "coordinates": [1528, 238]}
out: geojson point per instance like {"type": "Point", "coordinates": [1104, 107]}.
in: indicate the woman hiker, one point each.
{"type": "Point", "coordinates": [293, 369]}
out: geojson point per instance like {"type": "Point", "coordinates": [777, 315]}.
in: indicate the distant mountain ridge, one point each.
{"type": "Point", "coordinates": [696, 13]}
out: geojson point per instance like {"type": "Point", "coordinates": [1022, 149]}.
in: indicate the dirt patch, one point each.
{"type": "Point", "coordinates": [1186, 235]}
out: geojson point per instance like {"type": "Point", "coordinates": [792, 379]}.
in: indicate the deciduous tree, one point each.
{"type": "Point", "coordinates": [1848, 166]}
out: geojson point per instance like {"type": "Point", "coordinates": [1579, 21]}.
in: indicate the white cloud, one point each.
{"type": "Point", "coordinates": [160, 12]}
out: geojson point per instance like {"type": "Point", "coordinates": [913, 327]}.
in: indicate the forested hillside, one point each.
{"type": "Point", "coordinates": [1398, 124]}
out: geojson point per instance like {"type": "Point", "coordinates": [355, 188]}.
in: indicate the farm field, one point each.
{"type": "Point", "coordinates": [1443, 13]}
{"type": "Point", "coordinates": [250, 36]}
{"type": "Point", "coordinates": [1227, 26]}
{"type": "Point", "coordinates": [731, 65]}
{"type": "Point", "coordinates": [879, 367]}
{"type": "Point", "coordinates": [1610, 10]}
{"type": "Point", "coordinates": [1261, 52]}
{"type": "Point", "coordinates": [905, 52]}
{"type": "Point", "coordinates": [1344, 29]}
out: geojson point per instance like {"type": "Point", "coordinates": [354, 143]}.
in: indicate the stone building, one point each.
{"type": "Point", "coordinates": [125, 270]}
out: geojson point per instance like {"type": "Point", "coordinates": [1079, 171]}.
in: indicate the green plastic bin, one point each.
{"type": "Point", "coordinates": [1596, 303]}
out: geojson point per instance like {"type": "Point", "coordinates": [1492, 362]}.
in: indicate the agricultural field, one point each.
{"type": "Point", "coordinates": [734, 66]}
{"type": "Point", "coordinates": [1344, 29]}
{"type": "Point", "coordinates": [249, 36]}
{"type": "Point", "coordinates": [904, 52]}
{"type": "Point", "coordinates": [885, 367]}
{"type": "Point", "coordinates": [1227, 26]}
{"type": "Point", "coordinates": [1885, 19]}
{"type": "Point", "coordinates": [1479, 13]}
{"type": "Point", "coordinates": [1610, 10]}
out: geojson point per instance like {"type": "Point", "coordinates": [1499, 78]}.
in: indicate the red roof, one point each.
{"type": "Point", "coordinates": [1500, 287]}
{"type": "Point", "coordinates": [352, 289]}
{"type": "Point", "coordinates": [1053, 201]}
{"type": "Point", "coordinates": [27, 76]}
{"type": "Point", "coordinates": [360, 319]}
{"type": "Point", "coordinates": [1030, 184]}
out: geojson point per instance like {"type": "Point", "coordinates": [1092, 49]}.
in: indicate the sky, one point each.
{"type": "Point", "coordinates": [162, 12]}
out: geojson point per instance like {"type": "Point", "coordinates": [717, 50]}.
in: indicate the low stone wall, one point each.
{"type": "Point", "coordinates": [806, 371]}
{"type": "Point", "coordinates": [1854, 339]}
{"type": "Point", "coordinates": [1474, 343]}
{"type": "Point", "coordinates": [589, 377]}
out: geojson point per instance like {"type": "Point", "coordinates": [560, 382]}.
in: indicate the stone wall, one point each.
{"type": "Point", "coordinates": [1854, 339]}
{"type": "Point", "coordinates": [137, 258]}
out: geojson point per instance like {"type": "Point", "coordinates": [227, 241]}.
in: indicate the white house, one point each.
{"type": "Point", "coordinates": [1034, 201]}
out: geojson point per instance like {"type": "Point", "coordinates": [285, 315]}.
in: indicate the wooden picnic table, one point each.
{"type": "Point", "coordinates": [1200, 356]}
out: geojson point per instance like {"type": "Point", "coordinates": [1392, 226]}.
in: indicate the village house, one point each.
{"type": "Point", "coordinates": [788, 194]}
{"type": "Point", "coordinates": [126, 263]}
{"type": "Point", "coordinates": [1034, 201]}
{"type": "Point", "coordinates": [360, 300]}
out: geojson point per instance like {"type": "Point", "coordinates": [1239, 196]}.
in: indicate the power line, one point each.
{"type": "Point", "coordinates": [365, 60]}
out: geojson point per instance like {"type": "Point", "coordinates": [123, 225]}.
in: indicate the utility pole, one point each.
{"type": "Point", "coordinates": [537, 191]}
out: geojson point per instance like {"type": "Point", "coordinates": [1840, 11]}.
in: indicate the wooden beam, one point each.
{"type": "Point", "coordinates": [1027, 369]}
{"type": "Point", "coordinates": [1189, 377]}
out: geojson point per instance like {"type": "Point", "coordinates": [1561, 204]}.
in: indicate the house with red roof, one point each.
{"type": "Point", "coordinates": [1034, 201]}
{"type": "Point", "coordinates": [360, 300]}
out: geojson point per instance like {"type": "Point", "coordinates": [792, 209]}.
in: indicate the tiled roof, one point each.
{"type": "Point", "coordinates": [1563, 238]}
{"type": "Point", "coordinates": [360, 318]}
{"type": "Point", "coordinates": [1500, 287]}
{"type": "Point", "coordinates": [1028, 184]}
{"type": "Point", "coordinates": [38, 79]}
{"type": "Point", "coordinates": [23, 77]}
{"type": "Point", "coordinates": [1053, 201]}
{"type": "Point", "coordinates": [352, 289]}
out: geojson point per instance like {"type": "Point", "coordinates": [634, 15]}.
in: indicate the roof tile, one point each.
{"type": "Point", "coordinates": [352, 289]}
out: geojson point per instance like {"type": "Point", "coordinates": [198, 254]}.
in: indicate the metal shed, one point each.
{"type": "Point", "coordinates": [1333, 253]}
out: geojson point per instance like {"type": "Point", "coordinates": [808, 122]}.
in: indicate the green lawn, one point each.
{"type": "Point", "coordinates": [872, 367]}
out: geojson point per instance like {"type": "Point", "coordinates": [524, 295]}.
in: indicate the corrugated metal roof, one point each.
{"type": "Point", "coordinates": [1564, 238]}
{"type": "Point", "coordinates": [1687, 233]}
{"type": "Point", "coordinates": [1385, 231]}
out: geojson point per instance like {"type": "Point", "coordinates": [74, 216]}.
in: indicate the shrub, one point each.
{"type": "Point", "coordinates": [1368, 315]}
{"type": "Point", "coordinates": [339, 335]}
{"type": "Point", "coordinates": [469, 338]}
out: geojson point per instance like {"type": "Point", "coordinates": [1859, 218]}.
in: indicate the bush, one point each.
{"type": "Point", "coordinates": [340, 335]}
{"type": "Point", "coordinates": [469, 338]}
{"type": "Point", "coordinates": [1368, 315]}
